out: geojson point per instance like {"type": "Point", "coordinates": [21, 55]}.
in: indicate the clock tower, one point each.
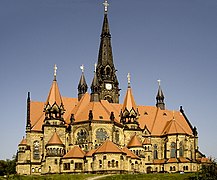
{"type": "Point", "coordinates": [105, 69]}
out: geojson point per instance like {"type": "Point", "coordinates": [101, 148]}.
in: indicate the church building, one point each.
{"type": "Point", "coordinates": [96, 133]}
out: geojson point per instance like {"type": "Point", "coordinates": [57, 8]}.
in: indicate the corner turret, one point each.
{"type": "Point", "coordinates": [54, 108]}
{"type": "Point", "coordinates": [82, 86]}
{"type": "Point", "coordinates": [160, 98]}
{"type": "Point", "coordinates": [129, 112]}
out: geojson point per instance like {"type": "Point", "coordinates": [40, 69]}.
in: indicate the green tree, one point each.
{"type": "Point", "coordinates": [8, 166]}
{"type": "Point", "coordinates": [209, 170]}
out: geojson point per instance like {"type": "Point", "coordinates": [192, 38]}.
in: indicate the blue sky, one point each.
{"type": "Point", "coordinates": [171, 40]}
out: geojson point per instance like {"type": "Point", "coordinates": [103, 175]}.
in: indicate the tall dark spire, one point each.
{"type": "Point", "coordinates": [82, 86]}
{"type": "Point", "coordinates": [105, 71]}
{"type": "Point", "coordinates": [95, 88]}
{"type": "Point", "coordinates": [160, 97]}
{"type": "Point", "coordinates": [28, 122]}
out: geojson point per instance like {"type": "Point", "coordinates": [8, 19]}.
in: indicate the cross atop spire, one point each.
{"type": "Point", "coordinates": [158, 82]}
{"type": "Point", "coordinates": [55, 71]}
{"type": "Point", "coordinates": [82, 68]}
{"type": "Point", "coordinates": [95, 66]}
{"type": "Point", "coordinates": [128, 79]}
{"type": "Point", "coordinates": [106, 4]}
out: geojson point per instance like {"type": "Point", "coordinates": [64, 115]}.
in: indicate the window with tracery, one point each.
{"type": "Point", "coordinates": [117, 136]}
{"type": "Point", "coordinates": [181, 149]}
{"type": "Point", "coordinates": [82, 136]}
{"type": "Point", "coordinates": [155, 152]}
{"type": "Point", "coordinates": [101, 135]}
{"type": "Point", "coordinates": [36, 152]}
{"type": "Point", "coordinates": [173, 150]}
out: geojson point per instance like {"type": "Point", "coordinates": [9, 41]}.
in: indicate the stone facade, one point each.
{"type": "Point", "coordinates": [95, 134]}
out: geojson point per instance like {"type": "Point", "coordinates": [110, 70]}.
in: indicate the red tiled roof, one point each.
{"type": "Point", "coordinates": [130, 153]}
{"type": "Point", "coordinates": [134, 142]}
{"type": "Point", "coordinates": [55, 140]}
{"type": "Point", "coordinates": [54, 95]}
{"type": "Point", "coordinates": [129, 101]}
{"type": "Point", "coordinates": [108, 147]}
{"type": "Point", "coordinates": [172, 160]}
{"type": "Point", "coordinates": [159, 161]}
{"type": "Point", "coordinates": [23, 142]}
{"type": "Point", "coordinates": [146, 141]}
{"type": "Point", "coordinates": [90, 153]}
{"type": "Point", "coordinates": [75, 152]}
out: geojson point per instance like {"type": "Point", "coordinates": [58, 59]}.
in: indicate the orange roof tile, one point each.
{"type": "Point", "coordinates": [130, 153]}
{"type": "Point", "coordinates": [75, 152]}
{"type": "Point", "coordinates": [134, 142]}
{"type": "Point", "coordinates": [108, 147]}
{"type": "Point", "coordinates": [129, 102]}
{"type": "Point", "coordinates": [55, 140]}
{"type": "Point", "coordinates": [23, 142]}
{"type": "Point", "coordinates": [54, 95]}
{"type": "Point", "coordinates": [146, 141]}
{"type": "Point", "coordinates": [159, 161]}
{"type": "Point", "coordinates": [183, 160]}
{"type": "Point", "coordinates": [155, 119]}
{"type": "Point", "coordinates": [90, 153]}
{"type": "Point", "coordinates": [205, 160]}
{"type": "Point", "coordinates": [173, 127]}
{"type": "Point", "coordinates": [172, 160]}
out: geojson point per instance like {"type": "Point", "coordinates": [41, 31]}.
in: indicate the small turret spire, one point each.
{"type": "Point", "coordinates": [54, 108]}
{"type": "Point", "coordinates": [82, 86]}
{"type": "Point", "coordinates": [160, 97]}
{"type": "Point", "coordinates": [95, 88]}
{"type": "Point", "coordinates": [106, 4]}
{"type": "Point", "coordinates": [28, 121]}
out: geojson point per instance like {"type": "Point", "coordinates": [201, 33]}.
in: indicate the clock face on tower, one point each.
{"type": "Point", "coordinates": [108, 86]}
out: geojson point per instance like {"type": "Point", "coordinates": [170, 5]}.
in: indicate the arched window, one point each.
{"type": "Point", "coordinates": [173, 150]}
{"type": "Point", "coordinates": [108, 71]}
{"type": "Point", "coordinates": [113, 163]}
{"type": "Point", "coordinates": [101, 135]}
{"type": "Point", "coordinates": [117, 136]}
{"type": "Point", "coordinates": [181, 149]}
{"type": "Point", "coordinates": [100, 163]}
{"type": "Point", "coordinates": [82, 136]}
{"type": "Point", "coordinates": [155, 152]}
{"type": "Point", "coordinates": [149, 158]}
{"type": "Point", "coordinates": [109, 164]}
{"type": "Point", "coordinates": [116, 163]}
{"type": "Point", "coordinates": [36, 153]}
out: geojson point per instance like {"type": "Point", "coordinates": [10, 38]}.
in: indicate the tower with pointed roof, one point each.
{"type": "Point", "coordinates": [129, 112]}
{"type": "Point", "coordinates": [54, 126]}
{"type": "Point", "coordinates": [105, 70]}
{"type": "Point", "coordinates": [160, 97]}
{"type": "Point", "coordinates": [95, 88]}
{"type": "Point", "coordinates": [82, 86]}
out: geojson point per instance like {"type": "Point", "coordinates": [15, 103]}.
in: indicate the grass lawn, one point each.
{"type": "Point", "coordinates": [150, 177]}
{"type": "Point", "coordinates": [112, 177]}
{"type": "Point", "coordinates": [52, 177]}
